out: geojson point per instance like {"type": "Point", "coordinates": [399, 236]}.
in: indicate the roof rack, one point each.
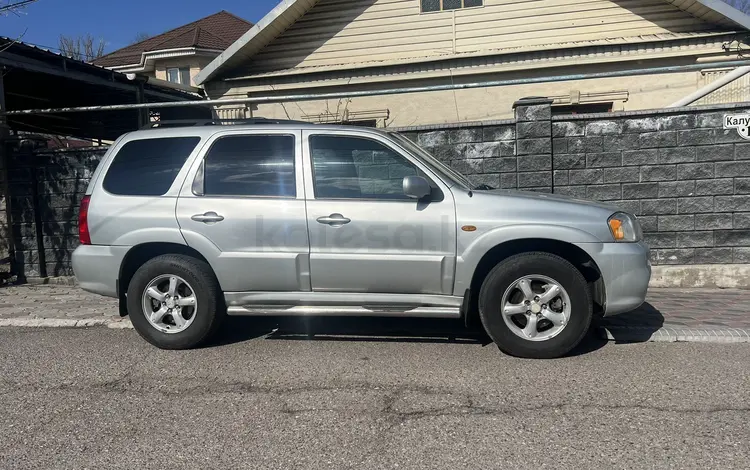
{"type": "Point", "coordinates": [218, 122]}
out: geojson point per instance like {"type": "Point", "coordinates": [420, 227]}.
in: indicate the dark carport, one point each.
{"type": "Point", "coordinates": [40, 188]}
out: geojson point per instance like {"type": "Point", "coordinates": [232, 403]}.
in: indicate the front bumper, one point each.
{"type": "Point", "coordinates": [97, 268]}
{"type": "Point", "coordinates": [626, 270]}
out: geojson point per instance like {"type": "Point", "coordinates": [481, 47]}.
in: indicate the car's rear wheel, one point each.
{"type": "Point", "coordinates": [174, 303]}
{"type": "Point", "coordinates": [536, 305]}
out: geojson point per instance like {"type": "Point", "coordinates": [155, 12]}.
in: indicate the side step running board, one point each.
{"type": "Point", "coordinates": [339, 310]}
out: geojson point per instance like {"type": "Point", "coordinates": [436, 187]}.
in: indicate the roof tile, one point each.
{"type": "Point", "coordinates": [217, 31]}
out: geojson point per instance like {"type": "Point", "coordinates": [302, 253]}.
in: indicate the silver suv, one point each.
{"type": "Point", "coordinates": [186, 225]}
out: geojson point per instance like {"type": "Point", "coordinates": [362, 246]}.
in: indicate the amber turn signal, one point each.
{"type": "Point", "coordinates": [617, 230]}
{"type": "Point", "coordinates": [469, 228]}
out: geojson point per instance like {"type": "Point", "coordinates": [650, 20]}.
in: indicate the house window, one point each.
{"type": "Point", "coordinates": [179, 75]}
{"type": "Point", "coordinates": [445, 5]}
{"type": "Point", "coordinates": [582, 109]}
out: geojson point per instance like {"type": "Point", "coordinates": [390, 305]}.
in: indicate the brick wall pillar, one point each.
{"type": "Point", "coordinates": [534, 144]}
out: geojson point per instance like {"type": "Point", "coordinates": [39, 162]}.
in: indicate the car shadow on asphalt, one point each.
{"type": "Point", "coordinates": [637, 326]}
{"type": "Point", "coordinates": [367, 329]}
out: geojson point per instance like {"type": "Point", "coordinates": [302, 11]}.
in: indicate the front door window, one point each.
{"type": "Point", "coordinates": [357, 168]}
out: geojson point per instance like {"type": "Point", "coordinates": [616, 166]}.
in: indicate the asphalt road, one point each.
{"type": "Point", "coordinates": [100, 398]}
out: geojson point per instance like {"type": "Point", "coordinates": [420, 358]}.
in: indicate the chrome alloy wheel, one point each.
{"type": "Point", "coordinates": [536, 307]}
{"type": "Point", "coordinates": [169, 303]}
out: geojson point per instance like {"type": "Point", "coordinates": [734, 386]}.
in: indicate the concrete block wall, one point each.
{"type": "Point", "coordinates": [5, 266]}
{"type": "Point", "coordinates": [684, 176]}
{"type": "Point", "coordinates": [485, 153]}
{"type": "Point", "coordinates": [380, 172]}
{"type": "Point", "coordinates": [46, 190]}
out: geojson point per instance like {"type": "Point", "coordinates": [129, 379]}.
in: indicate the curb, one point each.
{"type": "Point", "coordinates": [65, 323]}
{"type": "Point", "coordinates": [633, 334]}
{"type": "Point", "coordinates": [675, 334]}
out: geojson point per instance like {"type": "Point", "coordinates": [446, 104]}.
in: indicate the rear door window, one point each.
{"type": "Point", "coordinates": [251, 166]}
{"type": "Point", "coordinates": [148, 167]}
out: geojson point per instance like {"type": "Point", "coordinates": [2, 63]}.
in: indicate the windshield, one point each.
{"type": "Point", "coordinates": [438, 166]}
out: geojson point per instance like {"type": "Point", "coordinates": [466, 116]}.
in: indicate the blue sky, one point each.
{"type": "Point", "coordinates": [117, 21]}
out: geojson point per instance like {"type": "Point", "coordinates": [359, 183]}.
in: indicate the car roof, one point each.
{"type": "Point", "coordinates": [208, 129]}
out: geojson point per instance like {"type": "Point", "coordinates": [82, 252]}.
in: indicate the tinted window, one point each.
{"type": "Point", "coordinates": [353, 167]}
{"type": "Point", "coordinates": [148, 167]}
{"type": "Point", "coordinates": [251, 165]}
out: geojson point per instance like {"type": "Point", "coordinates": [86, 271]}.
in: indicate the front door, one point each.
{"type": "Point", "coordinates": [243, 208]}
{"type": "Point", "coordinates": [365, 234]}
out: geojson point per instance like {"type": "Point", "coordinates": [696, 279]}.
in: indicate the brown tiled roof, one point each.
{"type": "Point", "coordinates": [217, 31]}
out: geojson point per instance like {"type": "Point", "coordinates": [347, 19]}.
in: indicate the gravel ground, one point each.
{"type": "Point", "coordinates": [101, 398]}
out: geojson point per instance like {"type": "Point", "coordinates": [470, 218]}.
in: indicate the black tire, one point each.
{"type": "Point", "coordinates": [210, 311]}
{"type": "Point", "coordinates": [540, 263]}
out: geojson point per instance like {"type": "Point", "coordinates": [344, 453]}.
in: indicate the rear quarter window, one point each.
{"type": "Point", "coordinates": [148, 167]}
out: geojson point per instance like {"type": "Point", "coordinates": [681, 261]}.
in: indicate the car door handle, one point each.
{"type": "Point", "coordinates": [334, 219]}
{"type": "Point", "coordinates": [208, 217]}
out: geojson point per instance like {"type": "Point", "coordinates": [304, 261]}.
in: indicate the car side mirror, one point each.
{"type": "Point", "coordinates": [416, 187]}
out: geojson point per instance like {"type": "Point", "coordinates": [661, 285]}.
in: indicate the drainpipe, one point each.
{"type": "Point", "coordinates": [711, 87]}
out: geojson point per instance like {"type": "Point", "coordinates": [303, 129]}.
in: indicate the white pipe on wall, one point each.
{"type": "Point", "coordinates": [377, 92]}
{"type": "Point", "coordinates": [711, 87]}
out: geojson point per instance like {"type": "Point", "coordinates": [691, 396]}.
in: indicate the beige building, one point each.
{"type": "Point", "coordinates": [345, 46]}
{"type": "Point", "coordinates": [178, 55]}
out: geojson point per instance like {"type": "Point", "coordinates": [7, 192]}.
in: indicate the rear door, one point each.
{"type": "Point", "coordinates": [243, 205]}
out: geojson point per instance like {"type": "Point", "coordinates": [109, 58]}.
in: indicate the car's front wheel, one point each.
{"type": "Point", "coordinates": [535, 305]}
{"type": "Point", "coordinates": [173, 302]}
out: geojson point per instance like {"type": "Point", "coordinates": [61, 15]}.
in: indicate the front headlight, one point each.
{"type": "Point", "coordinates": [625, 227]}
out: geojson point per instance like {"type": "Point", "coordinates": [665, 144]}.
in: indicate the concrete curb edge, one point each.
{"type": "Point", "coordinates": [674, 334]}
{"type": "Point", "coordinates": [611, 333]}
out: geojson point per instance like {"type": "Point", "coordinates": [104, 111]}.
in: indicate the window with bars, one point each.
{"type": "Point", "coordinates": [445, 5]}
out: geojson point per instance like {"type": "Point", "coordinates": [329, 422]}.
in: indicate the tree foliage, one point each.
{"type": "Point", "coordinates": [84, 48]}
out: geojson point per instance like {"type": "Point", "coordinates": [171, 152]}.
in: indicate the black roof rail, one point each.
{"type": "Point", "coordinates": [216, 122]}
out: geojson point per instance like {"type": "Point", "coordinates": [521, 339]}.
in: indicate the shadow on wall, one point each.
{"type": "Point", "coordinates": [667, 16]}
{"type": "Point", "coordinates": [46, 189]}
{"type": "Point", "coordinates": [328, 19]}
{"type": "Point", "coordinates": [302, 39]}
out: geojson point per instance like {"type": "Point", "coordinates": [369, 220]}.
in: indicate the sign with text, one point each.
{"type": "Point", "coordinates": [741, 122]}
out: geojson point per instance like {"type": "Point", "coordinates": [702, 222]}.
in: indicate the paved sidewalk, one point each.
{"type": "Point", "coordinates": [49, 305]}
{"type": "Point", "coordinates": [712, 315]}
{"type": "Point", "coordinates": [708, 315]}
